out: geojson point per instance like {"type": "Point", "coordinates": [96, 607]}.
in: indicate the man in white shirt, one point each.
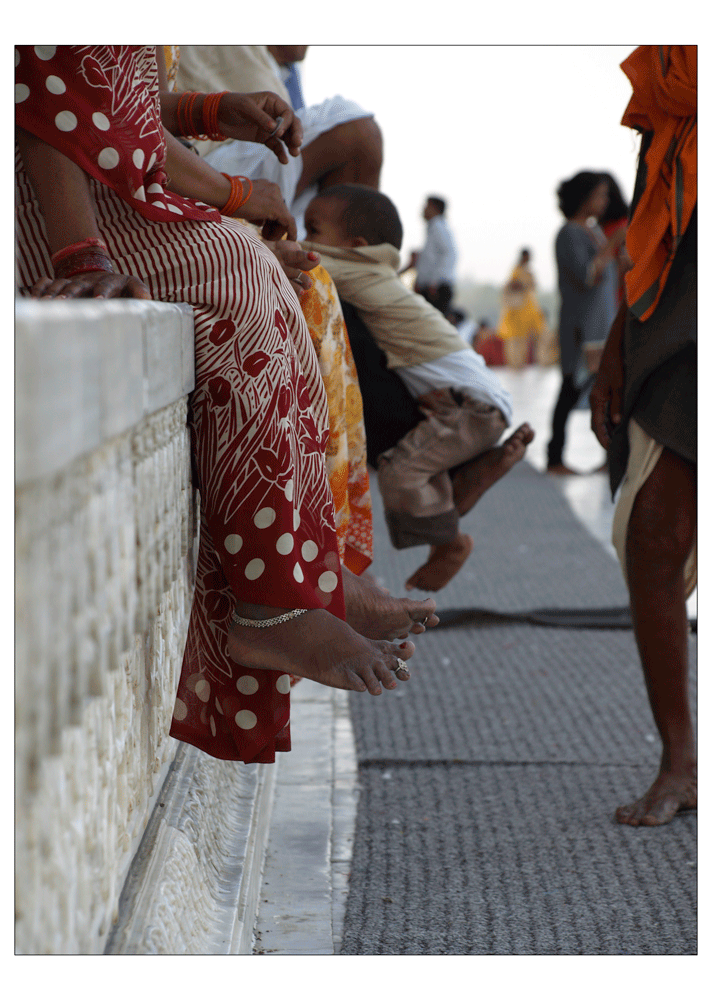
{"type": "Point", "coordinates": [436, 261]}
{"type": "Point", "coordinates": [342, 141]}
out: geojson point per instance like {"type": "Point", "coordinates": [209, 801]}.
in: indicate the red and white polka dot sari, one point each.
{"type": "Point", "coordinates": [259, 421]}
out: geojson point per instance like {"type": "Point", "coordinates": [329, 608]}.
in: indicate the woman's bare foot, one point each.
{"type": "Point", "coordinates": [671, 792]}
{"type": "Point", "coordinates": [321, 647]}
{"type": "Point", "coordinates": [475, 478]}
{"type": "Point", "coordinates": [443, 563]}
{"type": "Point", "coordinates": [374, 613]}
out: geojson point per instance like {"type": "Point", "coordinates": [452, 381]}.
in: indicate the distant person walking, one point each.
{"type": "Point", "coordinates": [436, 262]}
{"type": "Point", "coordinates": [587, 284]}
{"type": "Point", "coordinates": [522, 322]}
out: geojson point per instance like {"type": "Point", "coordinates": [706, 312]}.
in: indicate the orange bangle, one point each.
{"type": "Point", "coordinates": [237, 194]}
{"type": "Point", "coordinates": [211, 105]}
{"type": "Point", "coordinates": [184, 116]}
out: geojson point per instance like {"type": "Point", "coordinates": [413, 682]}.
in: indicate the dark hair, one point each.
{"type": "Point", "coordinates": [439, 203]}
{"type": "Point", "coordinates": [367, 213]}
{"type": "Point", "coordinates": [574, 192]}
{"type": "Point", "coordinates": [617, 205]}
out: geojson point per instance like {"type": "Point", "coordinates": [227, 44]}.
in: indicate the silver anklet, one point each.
{"type": "Point", "coordinates": [266, 622]}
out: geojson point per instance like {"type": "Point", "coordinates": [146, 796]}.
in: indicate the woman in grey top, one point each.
{"type": "Point", "coordinates": [587, 284]}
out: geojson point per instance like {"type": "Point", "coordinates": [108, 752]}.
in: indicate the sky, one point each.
{"type": "Point", "coordinates": [492, 129]}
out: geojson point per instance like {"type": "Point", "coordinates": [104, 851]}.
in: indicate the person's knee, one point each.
{"type": "Point", "coordinates": [659, 539]}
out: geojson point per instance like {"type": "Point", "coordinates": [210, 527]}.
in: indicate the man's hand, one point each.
{"type": "Point", "coordinates": [606, 398]}
{"type": "Point", "coordinates": [253, 118]}
{"type": "Point", "coordinates": [93, 285]}
{"type": "Point", "coordinates": [266, 208]}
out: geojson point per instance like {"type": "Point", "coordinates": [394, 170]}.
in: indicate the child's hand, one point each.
{"type": "Point", "coordinates": [294, 262]}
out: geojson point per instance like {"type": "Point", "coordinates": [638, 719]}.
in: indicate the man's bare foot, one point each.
{"type": "Point", "coordinates": [475, 478]}
{"type": "Point", "coordinates": [374, 613]}
{"type": "Point", "coordinates": [670, 793]}
{"type": "Point", "coordinates": [443, 563]}
{"type": "Point", "coordinates": [321, 647]}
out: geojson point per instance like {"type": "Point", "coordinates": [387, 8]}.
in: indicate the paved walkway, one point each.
{"type": "Point", "coordinates": [485, 828]}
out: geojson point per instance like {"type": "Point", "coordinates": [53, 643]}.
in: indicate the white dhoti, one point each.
{"type": "Point", "coordinates": [644, 454]}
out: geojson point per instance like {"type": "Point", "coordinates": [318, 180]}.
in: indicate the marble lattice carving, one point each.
{"type": "Point", "coordinates": [104, 577]}
{"type": "Point", "coordinates": [202, 863]}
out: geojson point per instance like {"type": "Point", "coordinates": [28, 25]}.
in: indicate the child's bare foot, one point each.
{"type": "Point", "coordinates": [443, 563]}
{"type": "Point", "coordinates": [321, 647]}
{"type": "Point", "coordinates": [475, 478]}
{"type": "Point", "coordinates": [374, 613]}
{"type": "Point", "coordinates": [671, 792]}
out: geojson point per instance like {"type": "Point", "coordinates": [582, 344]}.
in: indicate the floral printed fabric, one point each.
{"type": "Point", "coordinates": [99, 105]}
{"type": "Point", "coordinates": [346, 448]}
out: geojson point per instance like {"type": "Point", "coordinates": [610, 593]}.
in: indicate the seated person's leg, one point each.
{"type": "Point", "coordinates": [258, 418]}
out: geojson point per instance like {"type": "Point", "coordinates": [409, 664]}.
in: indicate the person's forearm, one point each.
{"type": "Point", "coordinates": [62, 191]}
{"type": "Point", "coordinates": [613, 348]}
{"type": "Point", "coordinates": [192, 177]}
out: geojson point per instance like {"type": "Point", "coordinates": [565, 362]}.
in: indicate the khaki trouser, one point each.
{"type": "Point", "coordinates": [413, 476]}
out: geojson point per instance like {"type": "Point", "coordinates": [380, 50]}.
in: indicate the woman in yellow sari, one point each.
{"type": "Point", "coordinates": [522, 318]}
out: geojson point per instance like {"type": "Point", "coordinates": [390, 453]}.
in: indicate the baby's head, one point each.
{"type": "Point", "coordinates": [352, 215]}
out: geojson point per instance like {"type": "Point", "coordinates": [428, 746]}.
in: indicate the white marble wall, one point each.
{"type": "Point", "coordinates": [105, 533]}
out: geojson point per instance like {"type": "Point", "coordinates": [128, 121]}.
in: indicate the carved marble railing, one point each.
{"type": "Point", "coordinates": [105, 547]}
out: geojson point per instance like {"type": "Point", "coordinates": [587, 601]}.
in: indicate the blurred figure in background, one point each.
{"type": "Point", "coordinates": [613, 219]}
{"type": "Point", "coordinates": [644, 410]}
{"type": "Point", "coordinates": [488, 343]}
{"type": "Point", "coordinates": [464, 324]}
{"type": "Point", "coordinates": [436, 262]}
{"type": "Point", "coordinates": [522, 322]}
{"type": "Point", "coordinates": [587, 285]}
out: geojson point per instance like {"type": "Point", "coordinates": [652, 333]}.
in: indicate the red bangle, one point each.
{"type": "Point", "coordinates": [184, 116]}
{"type": "Point", "coordinates": [237, 194]}
{"type": "Point", "coordinates": [87, 244]}
{"type": "Point", "coordinates": [82, 261]}
{"type": "Point", "coordinates": [211, 105]}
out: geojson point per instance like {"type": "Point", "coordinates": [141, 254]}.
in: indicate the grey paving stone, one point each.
{"type": "Point", "coordinates": [515, 860]}
{"type": "Point", "coordinates": [488, 783]}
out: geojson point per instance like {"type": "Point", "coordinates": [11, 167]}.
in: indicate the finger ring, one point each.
{"type": "Point", "coordinates": [424, 620]}
{"type": "Point", "coordinates": [298, 280]}
{"type": "Point", "coordinates": [401, 666]}
{"type": "Point", "coordinates": [279, 121]}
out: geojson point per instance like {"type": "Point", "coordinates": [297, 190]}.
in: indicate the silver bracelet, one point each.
{"type": "Point", "coordinates": [266, 622]}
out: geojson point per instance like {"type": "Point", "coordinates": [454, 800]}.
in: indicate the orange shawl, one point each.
{"type": "Point", "coordinates": [664, 101]}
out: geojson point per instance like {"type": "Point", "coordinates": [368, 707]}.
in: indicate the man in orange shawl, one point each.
{"type": "Point", "coordinates": [644, 410]}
